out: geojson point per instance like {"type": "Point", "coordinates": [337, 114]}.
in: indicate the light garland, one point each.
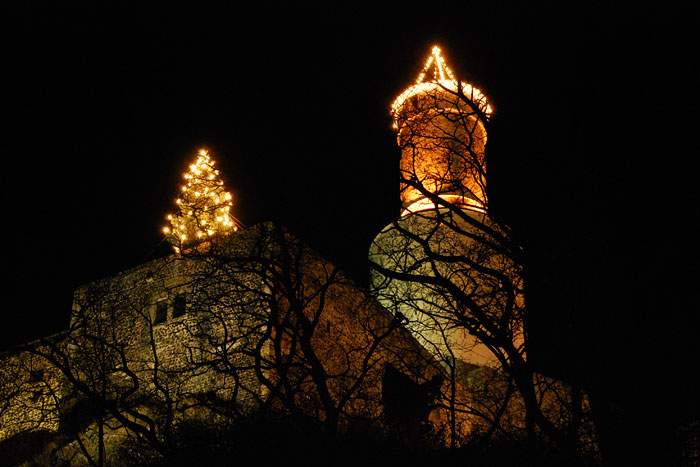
{"type": "Point", "coordinates": [442, 79]}
{"type": "Point", "coordinates": [204, 206]}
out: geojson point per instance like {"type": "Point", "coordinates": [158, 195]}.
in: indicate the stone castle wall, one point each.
{"type": "Point", "coordinates": [197, 334]}
{"type": "Point", "coordinates": [31, 388]}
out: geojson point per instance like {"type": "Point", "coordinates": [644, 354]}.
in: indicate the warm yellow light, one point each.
{"type": "Point", "coordinates": [425, 204]}
{"type": "Point", "coordinates": [200, 213]}
{"type": "Point", "coordinates": [442, 79]}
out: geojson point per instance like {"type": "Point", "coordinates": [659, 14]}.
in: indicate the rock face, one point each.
{"type": "Point", "coordinates": [254, 320]}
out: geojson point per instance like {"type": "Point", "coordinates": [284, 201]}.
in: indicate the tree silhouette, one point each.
{"type": "Point", "coordinates": [287, 330]}
{"type": "Point", "coordinates": [457, 274]}
{"type": "Point", "coordinates": [254, 322]}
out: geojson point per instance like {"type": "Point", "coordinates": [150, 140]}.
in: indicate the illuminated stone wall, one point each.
{"type": "Point", "coordinates": [30, 389]}
{"type": "Point", "coordinates": [482, 391]}
{"type": "Point", "coordinates": [193, 353]}
{"type": "Point", "coordinates": [451, 270]}
{"type": "Point", "coordinates": [431, 310]}
{"type": "Point", "coordinates": [442, 141]}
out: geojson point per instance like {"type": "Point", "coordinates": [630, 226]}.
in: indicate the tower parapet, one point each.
{"type": "Point", "coordinates": [440, 124]}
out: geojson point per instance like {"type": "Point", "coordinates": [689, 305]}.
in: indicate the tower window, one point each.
{"type": "Point", "coordinates": [161, 312]}
{"type": "Point", "coordinates": [179, 305]}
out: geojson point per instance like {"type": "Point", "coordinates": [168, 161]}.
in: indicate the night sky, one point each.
{"type": "Point", "coordinates": [590, 156]}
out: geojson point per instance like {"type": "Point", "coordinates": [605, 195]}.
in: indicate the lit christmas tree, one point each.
{"type": "Point", "coordinates": [203, 206]}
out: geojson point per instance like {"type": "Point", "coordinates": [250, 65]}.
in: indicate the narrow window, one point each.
{"type": "Point", "coordinates": [179, 305]}
{"type": "Point", "coordinates": [161, 312]}
{"type": "Point", "coordinates": [36, 375]}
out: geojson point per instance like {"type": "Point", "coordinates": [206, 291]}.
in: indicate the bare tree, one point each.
{"type": "Point", "coordinates": [285, 329]}
{"type": "Point", "coordinates": [112, 380]}
{"type": "Point", "coordinates": [456, 273]}
{"type": "Point", "coordinates": [30, 403]}
{"type": "Point", "coordinates": [254, 321]}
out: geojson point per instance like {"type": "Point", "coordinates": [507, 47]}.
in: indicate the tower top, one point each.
{"type": "Point", "coordinates": [440, 125]}
{"type": "Point", "coordinates": [434, 76]}
{"type": "Point", "coordinates": [437, 65]}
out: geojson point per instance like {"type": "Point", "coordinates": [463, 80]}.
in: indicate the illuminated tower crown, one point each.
{"type": "Point", "coordinates": [441, 133]}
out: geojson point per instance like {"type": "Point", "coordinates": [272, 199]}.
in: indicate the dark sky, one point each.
{"type": "Point", "coordinates": [590, 155]}
{"type": "Point", "coordinates": [110, 104]}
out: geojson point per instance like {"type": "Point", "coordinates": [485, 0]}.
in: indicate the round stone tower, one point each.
{"type": "Point", "coordinates": [441, 133]}
{"type": "Point", "coordinates": [444, 239]}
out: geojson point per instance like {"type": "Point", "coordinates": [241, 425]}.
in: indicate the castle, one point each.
{"type": "Point", "coordinates": [244, 319]}
{"type": "Point", "coordinates": [441, 131]}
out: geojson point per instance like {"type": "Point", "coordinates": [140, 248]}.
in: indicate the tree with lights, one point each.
{"type": "Point", "coordinates": [203, 207]}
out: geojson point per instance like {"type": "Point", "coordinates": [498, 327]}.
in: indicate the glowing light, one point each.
{"type": "Point", "coordinates": [425, 204]}
{"type": "Point", "coordinates": [203, 208]}
{"type": "Point", "coordinates": [441, 79]}
{"type": "Point", "coordinates": [436, 108]}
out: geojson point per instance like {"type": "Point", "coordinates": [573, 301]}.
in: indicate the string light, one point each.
{"type": "Point", "coordinates": [203, 208]}
{"type": "Point", "coordinates": [421, 117]}
{"type": "Point", "coordinates": [442, 79]}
